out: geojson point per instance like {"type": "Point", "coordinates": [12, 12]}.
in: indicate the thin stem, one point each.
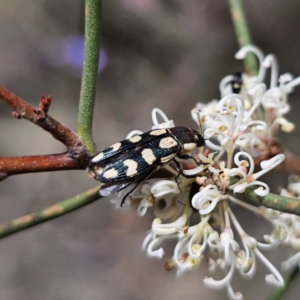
{"type": "Point", "coordinates": [90, 72]}
{"type": "Point", "coordinates": [242, 33]}
{"type": "Point", "coordinates": [49, 213]}
{"type": "Point", "coordinates": [277, 202]}
{"type": "Point", "coordinates": [36, 163]}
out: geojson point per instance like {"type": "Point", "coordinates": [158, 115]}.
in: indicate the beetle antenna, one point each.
{"type": "Point", "coordinates": [126, 195]}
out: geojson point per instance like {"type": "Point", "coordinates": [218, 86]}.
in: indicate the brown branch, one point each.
{"type": "Point", "coordinates": [39, 116]}
{"type": "Point", "coordinates": [37, 163]}
{"type": "Point", "coordinates": [77, 156]}
{"type": "Point", "coordinates": [45, 103]}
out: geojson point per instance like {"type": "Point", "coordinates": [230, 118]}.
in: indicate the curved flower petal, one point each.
{"type": "Point", "coordinates": [225, 85]}
{"type": "Point", "coordinates": [219, 284]}
{"type": "Point", "coordinates": [168, 228]}
{"type": "Point", "coordinates": [291, 262]}
{"type": "Point", "coordinates": [156, 241]}
{"type": "Point", "coordinates": [288, 88]}
{"type": "Point", "coordinates": [133, 133]}
{"type": "Point", "coordinates": [210, 194]}
{"type": "Point", "coordinates": [269, 164]}
{"type": "Point", "coordinates": [194, 247]}
{"type": "Point", "coordinates": [258, 91]}
{"type": "Point", "coordinates": [240, 107]}
{"type": "Point", "coordinates": [260, 191]}
{"type": "Point", "coordinates": [241, 54]}
{"type": "Point", "coordinates": [275, 278]}
{"type": "Point", "coordinates": [164, 187]}
{"type": "Point", "coordinates": [143, 207]}
{"type": "Point", "coordinates": [241, 163]}
{"type": "Point", "coordinates": [166, 124]}
{"type": "Point", "coordinates": [194, 171]}
{"type": "Point", "coordinates": [270, 61]}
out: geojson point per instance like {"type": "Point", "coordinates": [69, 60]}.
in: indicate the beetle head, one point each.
{"type": "Point", "coordinates": [199, 138]}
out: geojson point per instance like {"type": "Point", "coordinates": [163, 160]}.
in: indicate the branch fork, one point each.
{"type": "Point", "coordinates": [76, 156]}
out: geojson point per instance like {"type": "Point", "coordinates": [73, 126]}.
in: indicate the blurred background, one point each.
{"type": "Point", "coordinates": [155, 53]}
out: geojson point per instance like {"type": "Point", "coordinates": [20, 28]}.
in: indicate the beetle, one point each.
{"type": "Point", "coordinates": [132, 160]}
{"type": "Point", "coordinates": [236, 82]}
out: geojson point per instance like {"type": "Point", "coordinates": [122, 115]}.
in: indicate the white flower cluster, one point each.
{"type": "Point", "coordinates": [240, 127]}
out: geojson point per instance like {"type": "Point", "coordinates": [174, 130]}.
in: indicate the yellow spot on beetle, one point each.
{"type": "Point", "coordinates": [98, 157]}
{"type": "Point", "coordinates": [135, 139]}
{"type": "Point", "coordinates": [132, 167]}
{"type": "Point", "coordinates": [189, 146]}
{"type": "Point", "coordinates": [148, 156]}
{"type": "Point", "coordinates": [167, 143]}
{"type": "Point", "coordinates": [111, 173]}
{"type": "Point", "coordinates": [167, 158]}
{"type": "Point", "coordinates": [116, 146]}
{"type": "Point", "coordinates": [158, 132]}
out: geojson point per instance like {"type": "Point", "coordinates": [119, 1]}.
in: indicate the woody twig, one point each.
{"type": "Point", "coordinates": [76, 156]}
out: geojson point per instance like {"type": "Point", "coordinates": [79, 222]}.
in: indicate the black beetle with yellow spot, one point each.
{"type": "Point", "coordinates": [133, 160]}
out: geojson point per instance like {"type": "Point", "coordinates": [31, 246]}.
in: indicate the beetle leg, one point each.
{"type": "Point", "coordinates": [176, 180]}
{"type": "Point", "coordinates": [188, 156]}
{"type": "Point", "coordinates": [138, 181]}
{"type": "Point", "coordinates": [178, 166]}
{"type": "Point", "coordinates": [124, 198]}
{"type": "Point", "coordinates": [179, 170]}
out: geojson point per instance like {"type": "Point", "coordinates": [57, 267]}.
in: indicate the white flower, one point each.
{"type": "Point", "coordinates": [196, 212]}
